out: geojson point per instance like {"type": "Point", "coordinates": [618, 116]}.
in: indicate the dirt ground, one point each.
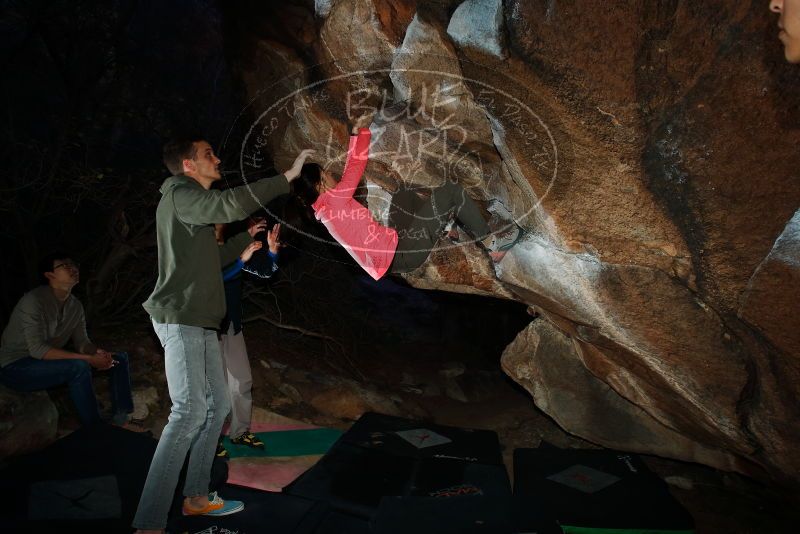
{"type": "Point", "coordinates": [443, 381]}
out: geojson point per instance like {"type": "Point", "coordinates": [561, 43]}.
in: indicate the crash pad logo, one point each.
{"type": "Point", "coordinates": [214, 529]}
{"type": "Point", "coordinates": [457, 491]}
{"type": "Point", "coordinates": [428, 127]}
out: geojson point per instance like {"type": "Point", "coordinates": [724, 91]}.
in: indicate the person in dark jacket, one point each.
{"type": "Point", "coordinates": [238, 374]}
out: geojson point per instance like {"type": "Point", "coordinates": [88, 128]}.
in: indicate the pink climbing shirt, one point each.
{"type": "Point", "coordinates": [370, 243]}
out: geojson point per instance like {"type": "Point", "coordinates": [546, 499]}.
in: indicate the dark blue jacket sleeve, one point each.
{"type": "Point", "coordinates": [263, 264]}
{"type": "Point", "coordinates": [232, 270]}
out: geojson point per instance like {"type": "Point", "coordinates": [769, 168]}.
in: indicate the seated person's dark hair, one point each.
{"type": "Point", "coordinates": [178, 149]}
{"type": "Point", "coordinates": [46, 264]}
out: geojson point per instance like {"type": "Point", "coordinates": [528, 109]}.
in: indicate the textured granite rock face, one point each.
{"type": "Point", "coordinates": [478, 24]}
{"type": "Point", "coordinates": [649, 153]}
{"type": "Point", "coordinates": [550, 365]}
{"type": "Point", "coordinates": [770, 301]}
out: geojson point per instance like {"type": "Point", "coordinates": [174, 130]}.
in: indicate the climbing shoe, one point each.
{"type": "Point", "coordinates": [506, 232]}
{"type": "Point", "coordinates": [505, 238]}
{"type": "Point", "coordinates": [249, 439]}
{"type": "Point", "coordinates": [222, 452]}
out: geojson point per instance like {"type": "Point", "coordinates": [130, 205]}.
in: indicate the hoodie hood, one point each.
{"type": "Point", "coordinates": [174, 181]}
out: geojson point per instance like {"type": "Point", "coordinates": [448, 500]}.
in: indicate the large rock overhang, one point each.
{"type": "Point", "coordinates": [650, 156]}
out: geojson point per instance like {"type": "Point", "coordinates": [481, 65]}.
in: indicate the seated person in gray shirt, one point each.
{"type": "Point", "coordinates": [32, 355]}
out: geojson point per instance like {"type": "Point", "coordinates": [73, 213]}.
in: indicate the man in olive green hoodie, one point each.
{"type": "Point", "coordinates": [186, 306]}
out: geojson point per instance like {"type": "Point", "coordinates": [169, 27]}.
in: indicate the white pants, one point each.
{"type": "Point", "coordinates": [239, 379]}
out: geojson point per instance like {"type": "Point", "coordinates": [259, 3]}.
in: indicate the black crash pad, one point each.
{"type": "Point", "coordinates": [380, 432]}
{"type": "Point", "coordinates": [90, 480]}
{"type": "Point", "coordinates": [597, 489]}
{"type": "Point", "coordinates": [109, 464]}
{"type": "Point", "coordinates": [444, 515]}
{"type": "Point", "coordinates": [371, 461]}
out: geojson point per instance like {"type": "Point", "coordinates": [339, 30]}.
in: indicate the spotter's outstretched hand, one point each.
{"type": "Point", "coordinates": [248, 251]}
{"type": "Point", "coordinates": [273, 239]}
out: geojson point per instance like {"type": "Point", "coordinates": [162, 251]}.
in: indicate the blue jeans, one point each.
{"type": "Point", "coordinates": [32, 374]}
{"type": "Point", "coordinates": [196, 383]}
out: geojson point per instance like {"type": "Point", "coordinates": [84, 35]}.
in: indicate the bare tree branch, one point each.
{"type": "Point", "coordinates": [294, 328]}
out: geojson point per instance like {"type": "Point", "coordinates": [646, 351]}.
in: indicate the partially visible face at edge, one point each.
{"type": "Point", "coordinates": [789, 27]}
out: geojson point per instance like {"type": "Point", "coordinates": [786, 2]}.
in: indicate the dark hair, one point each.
{"type": "Point", "coordinates": [178, 149]}
{"type": "Point", "coordinates": [296, 220]}
{"type": "Point", "coordinates": [305, 187]}
{"type": "Point", "coordinates": [46, 264]}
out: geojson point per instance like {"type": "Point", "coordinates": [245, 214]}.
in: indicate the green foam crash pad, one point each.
{"type": "Point", "coordinates": [288, 443]}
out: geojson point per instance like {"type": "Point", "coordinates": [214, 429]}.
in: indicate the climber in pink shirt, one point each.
{"type": "Point", "coordinates": [416, 222]}
{"type": "Point", "coordinates": [371, 244]}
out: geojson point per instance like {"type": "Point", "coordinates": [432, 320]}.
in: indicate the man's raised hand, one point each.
{"type": "Point", "coordinates": [297, 166]}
